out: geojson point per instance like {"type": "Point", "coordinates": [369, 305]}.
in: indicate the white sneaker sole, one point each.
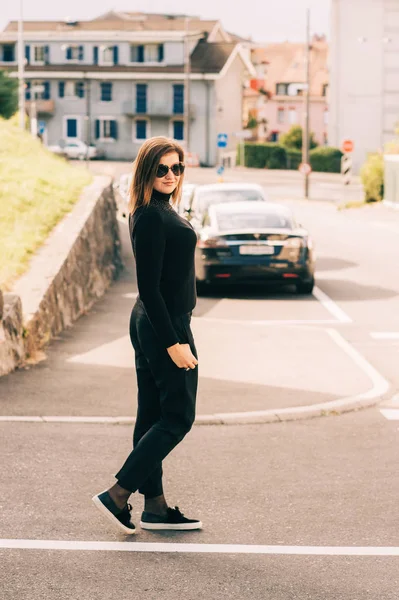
{"type": "Point", "coordinates": [171, 526]}
{"type": "Point", "coordinates": [104, 510]}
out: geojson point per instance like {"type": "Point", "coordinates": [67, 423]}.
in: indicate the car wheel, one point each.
{"type": "Point", "coordinates": [305, 286]}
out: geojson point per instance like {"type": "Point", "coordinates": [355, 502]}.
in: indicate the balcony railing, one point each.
{"type": "Point", "coordinates": [154, 110]}
{"type": "Point", "coordinates": [43, 107]}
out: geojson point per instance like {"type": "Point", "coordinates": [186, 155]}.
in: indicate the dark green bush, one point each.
{"type": "Point", "coordinates": [325, 159]}
{"type": "Point", "coordinates": [274, 156]}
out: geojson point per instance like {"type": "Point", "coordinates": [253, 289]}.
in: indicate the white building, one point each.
{"type": "Point", "coordinates": [364, 74]}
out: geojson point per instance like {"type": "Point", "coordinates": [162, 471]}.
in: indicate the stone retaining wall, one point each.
{"type": "Point", "coordinates": [69, 273]}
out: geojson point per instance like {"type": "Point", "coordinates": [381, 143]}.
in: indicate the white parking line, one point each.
{"type": "Point", "coordinates": [199, 548]}
{"type": "Point", "coordinates": [392, 414]}
{"type": "Point", "coordinates": [385, 335]}
{"type": "Point", "coordinates": [331, 306]}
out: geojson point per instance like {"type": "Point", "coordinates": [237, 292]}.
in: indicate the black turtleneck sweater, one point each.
{"type": "Point", "coordinates": [163, 245]}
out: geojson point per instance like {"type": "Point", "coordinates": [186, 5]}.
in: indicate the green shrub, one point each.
{"type": "Point", "coordinates": [294, 159]}
{"type": "Point", "coordinates": [293, 139]}
{"type": "Point", "coordinates": [325, 159]}
{"type": "Point", "coordinates": [264, 155]}
{"type": "Point", "coordinates": [372, 176]}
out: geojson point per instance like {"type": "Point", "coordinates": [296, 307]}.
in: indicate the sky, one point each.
{"type": "Point", "coordinates": [262, 20]}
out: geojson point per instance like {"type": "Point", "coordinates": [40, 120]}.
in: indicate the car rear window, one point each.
{"type": "Point", "coordinates": [253, 221]}
{"type": "Point", "coordinates": [205, 199]}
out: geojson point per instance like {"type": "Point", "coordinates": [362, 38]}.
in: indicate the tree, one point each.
{"type": "Point", "coordinates": [8, 95]}
{"type": "Point", "coordinates": [293, 139]}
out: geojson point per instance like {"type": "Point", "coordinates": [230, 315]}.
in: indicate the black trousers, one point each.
{"type": "Point", "coordinates": [166, 403]}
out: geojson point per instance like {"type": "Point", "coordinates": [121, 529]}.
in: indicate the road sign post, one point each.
{"type": "Point", "coordinates": [221, 143]}
{"type": "Point", "coordinates": [346, 161]}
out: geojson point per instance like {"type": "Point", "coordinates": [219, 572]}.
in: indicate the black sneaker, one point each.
{"type": "Point", "coordinates": [174, 520]}
{"type": "Point", "coordinates": [119, 517]}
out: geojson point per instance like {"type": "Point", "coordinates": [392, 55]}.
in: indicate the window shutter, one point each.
{"type": "Point", "coordinates": [69, 53]}
{"type": "Point", "coordinates": [27, 53]}
{"type": "Point", "coordinates": [97, 129]}
{"type": "Point", "coordinates": [115, 55]}
{"type": "Point", "coordinates": [160, 53]}
{"type": "Point", "coordinates": [61, 89]}
{"type": "Point", "coordinates": [47, 54]}
{"type": "Point", "coordinates": [114, 130]}
{"type": "Point", "coordinates": [81, 52]}
{"type": "Point", "coordinates": [140, 53]}
{"type": "Point", "coordinates": [46, 93]}
{"type": "Point", "coordinates": [95, 55]}
{"type": "Point", "coordinates": [27, 90]}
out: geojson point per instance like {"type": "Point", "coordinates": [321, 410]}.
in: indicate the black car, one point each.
{"type": "Point", "coordinates": [253, 242]}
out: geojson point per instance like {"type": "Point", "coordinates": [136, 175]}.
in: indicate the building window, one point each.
{"type": "Point", "coordinates": [178, 99]}
{"type": "Point", "coordinates": [274, 136]}
{"type": "Point", "coordinates": [141, 98]}
{"type": "Point", "coordinates": [8, 54]}
{"type": "Point", "coordinates": [281, 89]}
{"type": "Point", "coordinates": [147, 53]}
{"type": "Point", "coordinates": [44, 94]}
{"type": "Point", "coordinates": [137, 54]}
{"type": "Point", "coordinates": [326, 117]}
{"type": "Point", "coordinates": [71, 127]}
{"type": "Point", "coordinates": [80, 89]}
{"type": "Point", "coordinates": [325, 89]}
{"type": "Point", "coordinates": [106, 129]}
{"type": "Point", "coordinates": [106, 91]}
{"type": "Point", "coordinates": [292, 116]}
{"type": "Point", "coordinates": [27, 90]}
{"type": "Point", "coordinates": [109, 55]}
{"type": "Point", "coordinates": [151, 53]}
{"type": "Point", "coordinates": [38, 53]}
{"type": "Point", "coordinates": [141, 126]}
{"type": "Point", "coordinates": [281, 115]}
{"type": "Point", "coordinates": [178, 130]}
{"type": "Point", "coordinates": [74, 53]}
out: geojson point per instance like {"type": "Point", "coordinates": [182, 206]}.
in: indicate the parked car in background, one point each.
{"type": "Point", "coordinates": [123, 186]}
{"type": "Point", "coordinates": [76, 150]}
{"type": "Point", "coordinates": [253, 242]}
{"type": "Point", "coordinates": [186, 198]}
{"type": "Point", "coordinates": [206, 195]}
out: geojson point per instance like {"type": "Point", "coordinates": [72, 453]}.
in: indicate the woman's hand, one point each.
{"type": "Point", "coordinates": [182, 356]}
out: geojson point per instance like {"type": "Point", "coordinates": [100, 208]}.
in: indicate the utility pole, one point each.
{"type": "Point", "coordinates": [187, 85]}
{"type": "Point", "coordinates": [306, 130]}
{"type": "Point", "coordinates": [87, 92]}
{"type": "Point", "coordinates": [21, 60]}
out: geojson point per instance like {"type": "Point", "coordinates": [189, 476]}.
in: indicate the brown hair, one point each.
{"type": "Point", "coordinates": [145, 168]}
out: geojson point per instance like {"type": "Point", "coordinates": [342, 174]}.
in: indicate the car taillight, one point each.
{"type": "Point", "coordinates": [211, 242]}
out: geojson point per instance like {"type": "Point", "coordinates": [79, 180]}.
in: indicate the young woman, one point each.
{"type": "Point", "coordinates": [165, 354]}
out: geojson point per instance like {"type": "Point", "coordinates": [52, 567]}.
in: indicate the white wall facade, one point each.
{"type": "Point", "coordinates": [364, 74]}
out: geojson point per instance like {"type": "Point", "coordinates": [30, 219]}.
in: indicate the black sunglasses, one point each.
{"type": "Point", "coordinates": [177, 169]}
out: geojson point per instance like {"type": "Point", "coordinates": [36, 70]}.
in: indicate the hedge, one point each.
{"type": "Point", "coordinates": [372, 175]}
{"type": "Point", "coordinates": [275, 156]}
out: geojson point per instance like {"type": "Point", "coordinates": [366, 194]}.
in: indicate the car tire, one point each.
{"type": "Point", "coordinates": [305, 286]}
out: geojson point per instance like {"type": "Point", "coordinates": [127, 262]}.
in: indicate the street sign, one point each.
{"type": "Point", "coordinates": [220, 170]}
{"type": "Point", "coordinates": [305, 169]}
{"type": "Point", "coordinates": [41, 127]}
{"type": "Point", "coordinates": [222, 140]}
{"type": "Point", "coordinates": [347, 146]}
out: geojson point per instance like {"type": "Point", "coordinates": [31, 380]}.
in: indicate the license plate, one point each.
{"type": "Point", "coordinates": [256, 250]}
